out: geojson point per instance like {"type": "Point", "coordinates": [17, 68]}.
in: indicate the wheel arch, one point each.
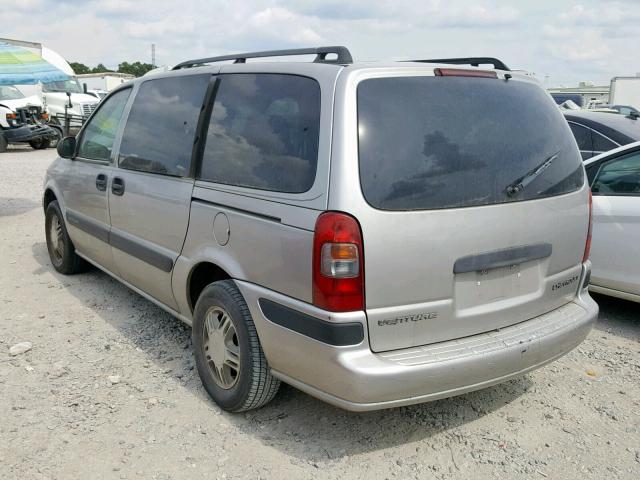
{"type": "Point", "coordinates": [51, 192]}
{"type": "Point", "coordinates": [48, 197]}
{"type": "Point", "coordinates": [201, 275]}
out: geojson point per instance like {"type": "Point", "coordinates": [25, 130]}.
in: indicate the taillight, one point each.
{"type": "Point", "coordinates": [338, 281]}
{"type": "Point", "coordinates": [463, 72]}
{"type": "Point", "coordinates": [587, 246]}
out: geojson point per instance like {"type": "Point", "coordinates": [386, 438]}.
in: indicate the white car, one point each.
{"type": "Point", "coordinates": [614, 177]}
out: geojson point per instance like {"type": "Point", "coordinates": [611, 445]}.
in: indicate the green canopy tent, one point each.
{"type": "Point", "coordinates": [19, 66]}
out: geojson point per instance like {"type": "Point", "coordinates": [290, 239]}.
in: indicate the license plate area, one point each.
{"type": "Point", "coordinates": [483, 287]}
{"type": "Point", "coordinates": [498, 283]}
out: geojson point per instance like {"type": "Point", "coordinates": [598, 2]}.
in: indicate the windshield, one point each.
{"type": "Point", "coordinates": [445, 142]}
{"type": "Point", "coordinates": [70, 85]}
{"type": "Point", "coordinates": [9, 92]}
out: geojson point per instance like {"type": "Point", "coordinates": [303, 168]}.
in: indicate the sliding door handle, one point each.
{"type": "Point", "coordinates": [117, 186]}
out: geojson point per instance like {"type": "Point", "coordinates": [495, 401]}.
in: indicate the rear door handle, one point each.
{"type": "Point", "coordinates": [101, 182]}
{"type": "Point", "coordinates": [117, 186]}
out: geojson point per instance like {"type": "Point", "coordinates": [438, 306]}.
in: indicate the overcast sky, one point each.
{"type": "Point", "coordinates": [567, 40]}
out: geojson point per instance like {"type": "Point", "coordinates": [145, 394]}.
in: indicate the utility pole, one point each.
{"type": "Point", "coordinates": [153, 55]}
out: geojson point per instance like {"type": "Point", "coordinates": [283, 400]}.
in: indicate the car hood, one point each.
{"type": "Point", "coordinates": [32, 100]}
{"type": "Point", "coordinates": [75, 97]}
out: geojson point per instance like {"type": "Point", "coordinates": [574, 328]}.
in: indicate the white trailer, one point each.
{"type": "Point", "coordinates": [106, 81]}
{"type": "Point", "coordinates": [625, 91]}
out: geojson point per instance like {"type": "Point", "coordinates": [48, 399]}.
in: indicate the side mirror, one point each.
{"type": "Point", "coordinates": [67, 147]}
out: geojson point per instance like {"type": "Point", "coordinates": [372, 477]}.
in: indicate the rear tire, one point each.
{"type": "Point", "coordinates": [62, 253]}
{"type": "Point", "coordinates": [229, 358]}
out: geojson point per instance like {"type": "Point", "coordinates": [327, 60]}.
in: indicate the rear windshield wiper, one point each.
{"type": "Point", "coordinates": [522, 182]}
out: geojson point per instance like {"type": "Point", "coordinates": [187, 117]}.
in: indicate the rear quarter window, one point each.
{"type": "Point", "coordinates": [445, 142]}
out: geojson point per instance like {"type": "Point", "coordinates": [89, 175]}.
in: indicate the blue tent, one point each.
{"type": "Point", "coordinates": [19, 66]}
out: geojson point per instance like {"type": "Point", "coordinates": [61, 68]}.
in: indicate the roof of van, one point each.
{"type": "Point", "coordinates": [331, 61]}
{"type": "Point", "coordinates": [331, 55]}
{"type": "Point", "coordinates": [311, 67]}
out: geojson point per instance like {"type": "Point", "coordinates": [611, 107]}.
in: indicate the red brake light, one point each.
{"type": "Point", "coordinates": [338, 280]}
{"type": "Point", "coordinates": [463, 72]}
{"type": "Point", "coordinates": [587, 246]}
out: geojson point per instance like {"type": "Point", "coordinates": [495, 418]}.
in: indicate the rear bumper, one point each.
{"type": "Point", "coordinates": [354, 378]}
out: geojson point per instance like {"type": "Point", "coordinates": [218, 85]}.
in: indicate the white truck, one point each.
{"type": "Point", "coordinates": [22, 120]}
{"type": "Point", "coordinates": [59, 98]}
{"type": "Point", "coordinates": [625, 91]}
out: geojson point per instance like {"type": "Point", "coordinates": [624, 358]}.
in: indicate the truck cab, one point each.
{"type": "Point", "coordinates": [21, 119]}
{"type": "Point", "coordinates": [78, 103]}
{"type": "Point", "coordinates": [56, 95]}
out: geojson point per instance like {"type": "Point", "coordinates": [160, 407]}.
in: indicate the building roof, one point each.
{"type": "Point", "coordinates": [581, 89]}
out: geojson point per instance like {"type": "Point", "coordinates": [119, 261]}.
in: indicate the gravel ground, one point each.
{"type": "Point", "coordinates": [109, 390]}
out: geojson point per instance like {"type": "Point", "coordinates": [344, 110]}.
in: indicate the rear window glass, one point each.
{"type": "Point", "coordinates": [602, 144]}
{"type": "Point", "coordinates": [582, 135]}
{"type": "Point", "coordinates": [444, 142]}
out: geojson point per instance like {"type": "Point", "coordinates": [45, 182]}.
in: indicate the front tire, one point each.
{"type": "Point", "coordinates": [62, 253]}
{"type": "Point", "coordinates": [53, 141]}
{"type": "Point", "coordinates": [39, 144]}
{"type": "Point", "coordinates": [228, 355]}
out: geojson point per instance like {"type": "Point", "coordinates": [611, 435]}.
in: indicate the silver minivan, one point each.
{"type": "Point", "coordinates": [375, 234]}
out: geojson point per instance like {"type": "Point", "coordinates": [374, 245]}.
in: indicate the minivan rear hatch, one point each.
{"type": "Point", "coordinates": [479, 212]}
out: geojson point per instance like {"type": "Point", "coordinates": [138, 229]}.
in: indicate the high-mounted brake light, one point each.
{"type": "Point", "coordinates": [338, 280]}
{"type": "Point", "coordinates": [587, 246]}
{"type": "Point", "coordinates": [463, 72]}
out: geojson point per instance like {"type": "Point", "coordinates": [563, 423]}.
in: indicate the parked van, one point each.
{"type": "Point", "coordinates": [373, 234]}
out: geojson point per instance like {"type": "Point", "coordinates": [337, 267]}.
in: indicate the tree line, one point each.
{"type": "Point", "coordinates": [136, 68]}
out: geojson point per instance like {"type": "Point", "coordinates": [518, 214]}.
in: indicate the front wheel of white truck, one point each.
{"type": "Point", "coordinates": [228, 355]}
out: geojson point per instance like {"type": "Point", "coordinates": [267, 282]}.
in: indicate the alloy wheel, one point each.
{"type": "Point", "coordinates": [55, 237]}
{"type": "Point", "coordinates": [221, 347]}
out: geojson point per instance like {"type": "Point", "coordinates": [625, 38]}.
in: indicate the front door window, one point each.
{"type": "Point", "coordinates": [97, 137]}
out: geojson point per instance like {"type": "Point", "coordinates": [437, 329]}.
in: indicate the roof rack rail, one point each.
{"type": "Point", "coordinates": [473, 61]}
{"type": "Point", "coordinates": [342, 53]}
